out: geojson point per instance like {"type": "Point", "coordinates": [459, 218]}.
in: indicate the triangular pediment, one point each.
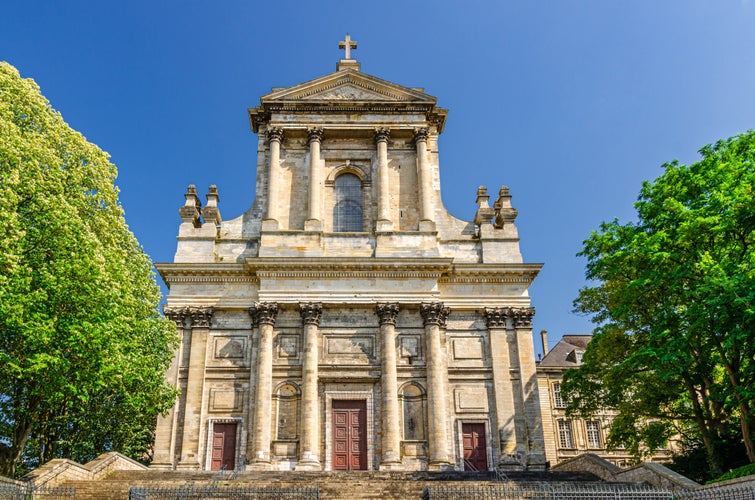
{"type": "Point", "coordinates": [348, 85]}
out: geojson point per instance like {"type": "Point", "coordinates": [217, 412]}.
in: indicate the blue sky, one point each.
{"type": "Point", "coordinates": [572, 104]}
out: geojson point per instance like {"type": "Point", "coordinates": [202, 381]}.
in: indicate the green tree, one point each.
{"type": "Point", "coordinates": [83, 347]}
{"type": "Point", "coordinates": [673, 297]}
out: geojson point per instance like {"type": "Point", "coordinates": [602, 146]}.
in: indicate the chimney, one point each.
{"type": "Point", "coordinates": [544, 339]}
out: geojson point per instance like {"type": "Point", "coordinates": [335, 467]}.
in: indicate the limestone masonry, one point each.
{"type": "Point", "coordinates": [347, 321]}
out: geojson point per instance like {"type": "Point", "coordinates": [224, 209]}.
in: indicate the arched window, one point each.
{"type": "Point", "coordinates": [347, 209]}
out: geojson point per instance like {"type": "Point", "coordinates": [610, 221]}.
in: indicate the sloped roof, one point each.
{"type": "Point", "coordinates": [561, 356]}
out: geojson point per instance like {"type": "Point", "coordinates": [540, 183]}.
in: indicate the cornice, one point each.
{"type": "Point", "coordinates": [492, 273]}
{"type": "Point", "coordinates": [297, 268]}
{"type": "Point", "coordinates": [204, 273]}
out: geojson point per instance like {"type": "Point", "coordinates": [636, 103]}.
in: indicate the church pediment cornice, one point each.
{"type": "Point", "coordinates": [348, 85]}
{"type": "Point", "coordinates": [347, 91]}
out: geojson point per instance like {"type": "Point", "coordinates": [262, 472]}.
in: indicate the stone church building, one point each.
{"type": "Point", "coordinates": [347, 321]}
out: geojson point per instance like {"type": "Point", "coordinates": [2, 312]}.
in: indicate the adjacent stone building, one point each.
{"type": "Point", "coordinates": [347, 321]}
{"type": "Point", "coordinates": [566, 437]}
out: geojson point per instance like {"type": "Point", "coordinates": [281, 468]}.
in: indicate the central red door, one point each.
{"type": "Point", "coordinates": [475, 449]}
{"type": "Point", "coordinates": [223, 447]}
{"type": "Point", "coordinates": [349, 435]}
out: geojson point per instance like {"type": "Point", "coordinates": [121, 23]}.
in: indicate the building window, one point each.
{"type": "Point", "coordinates": [347, 209]}
{"type": "Point", "coordinates": [557, 400]}
{"type": "Point", "coordinates": [593, 434]}
{"type": "Point", "coordinates": [564, 434]}
{"type": "Point", "coordinates": [578, 355]}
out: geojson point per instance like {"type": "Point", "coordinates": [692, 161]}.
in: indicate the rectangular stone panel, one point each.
{"type": "Point", "coordinates": [288, 346]}
{"type": "Point", "coordinates": [226, 400]}
{"type": "Point", "coordinates": [410, 346]}
{"type": "Point", "coordinates": [231, 348]}
{"type": "Point", "coordinates": [349, 346]}
{"type": "Point", "coordinates": [467, 348]}
{"type": "Point", "coordinates": [471, 400]}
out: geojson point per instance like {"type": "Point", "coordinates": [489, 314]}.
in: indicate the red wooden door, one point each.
{"type": "Point", "coordinates": [475, 449]}
{"type": "Point", "coordinates": [223, 447]}
{"type": "Point", "coordinates": [349, 435]}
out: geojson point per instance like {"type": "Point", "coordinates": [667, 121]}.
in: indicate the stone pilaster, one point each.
{"type": "Point", "coordinates": [434, 316]}
{"type": "Point", "coordinates": [193, 413]}
{"type": "Point", "coordinates": [165, 431]}
{"type": "Point", "coordinates": [391, 442]}
{"type": "Point", "coordinates": [274, 137]}
{"type": "Point", "coordinates": [264, 314]}
{"type": "Point", "coordinates": [424, 180]}
{"type": "Point", "coordinates": [309, 440]}
{"type": "Point", "coordinates": [384, 222]}
{"type": "Point", "coordinates": [521, 318]}
{"type": "Point", "coordinates": [314, 221]}
{"type": "Point", "coordinates": [505, 409]}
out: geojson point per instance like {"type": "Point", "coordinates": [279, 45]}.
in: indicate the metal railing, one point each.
{"type": "Point", "coordinates": [724, 492]}
{"type": "Point", "coordinates": [543, 490]}
{"type": "Point", "coordinates": [16, 492]}
{"type": "Point", "coordinates": [190, 492]}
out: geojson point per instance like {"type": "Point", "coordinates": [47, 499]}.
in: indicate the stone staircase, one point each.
{"type": "Point", "coordinates": [332, 485]}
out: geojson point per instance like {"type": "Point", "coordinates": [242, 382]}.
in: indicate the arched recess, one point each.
{"type": "Point", "coordinates": [287, 398]}
{"type": "Point", "coordinates": [413, 400]}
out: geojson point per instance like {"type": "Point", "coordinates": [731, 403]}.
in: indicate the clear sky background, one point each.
{"type": "Point", "coordinates": [572, 104]}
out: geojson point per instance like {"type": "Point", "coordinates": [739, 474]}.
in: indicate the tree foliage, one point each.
{"type": "Point", "coordinates": [674, 303]}
{"type": "Point", "coordinates": [83, 347]}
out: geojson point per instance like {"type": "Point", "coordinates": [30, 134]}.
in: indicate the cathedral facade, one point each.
{"type": "Point", "coordinates": [347, 321]}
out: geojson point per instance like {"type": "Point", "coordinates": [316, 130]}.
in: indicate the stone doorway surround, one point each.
{"type": "Point", "coordinates": [240, 457]}
{"type": "Point", "coordinates": [460, 440]}
{"type": "Point", "coordinates": [361, 392]}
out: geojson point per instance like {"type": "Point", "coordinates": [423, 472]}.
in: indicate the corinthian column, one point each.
{"type": "Point", "coordinates": [192, 424]}
{"type": "Point", "coordinates": [274, 137]}
{"type": "Point", "coordinates": [391, 445]}
{"type": "Point", "coordinates": [264, 315]}
{"type": "Point", "coordinates": [165, 431]}
{"type": "Point", "coordinates": [384, 209]}
{"type": "Point", "coordinates": [502, 386]}
{"type": "Point", "coordinates": [313, 222]}
{"type": "Point", "coordinates": [309, 440]}
{"type": "Point", "coordinates": [535, 444]}
{"type": "Point", "coordinates": [424, 177]}
{"type": "Point", "coordinates": [434, 316]}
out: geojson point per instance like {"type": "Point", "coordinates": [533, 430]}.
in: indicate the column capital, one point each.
{"type": "Point", "coordinates": [176, 314]}
{"type": "Point", "coordinates": [495, 317]}
{"type": "Point", "coordinates": [382, 134]}
{"type": "Point", "coordinates": [275, 134]}
{"type": "Point", "coordinates": [421, 134]}
{"type": "Point", "coordinates": [387, 312]}
{"type": "Point", "coordinates": [201, 316]}
{"type": "Point", "coordinates": [314, 134]}
{"type": "Point", "coordinates": [522, 316]}
{"type": "Point", "coordinates": [434, 313]}
{"type": "Point", "coordinates": [263, 313]}
{"type": "Point", "coordinates": [311, 312]}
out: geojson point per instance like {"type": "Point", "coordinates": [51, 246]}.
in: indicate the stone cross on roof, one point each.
{"type": "Point", "coordinates": [347, 45]}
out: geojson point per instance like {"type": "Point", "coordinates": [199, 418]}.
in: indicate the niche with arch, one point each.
{"type": "Point", "coordinates": [413, 410]}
